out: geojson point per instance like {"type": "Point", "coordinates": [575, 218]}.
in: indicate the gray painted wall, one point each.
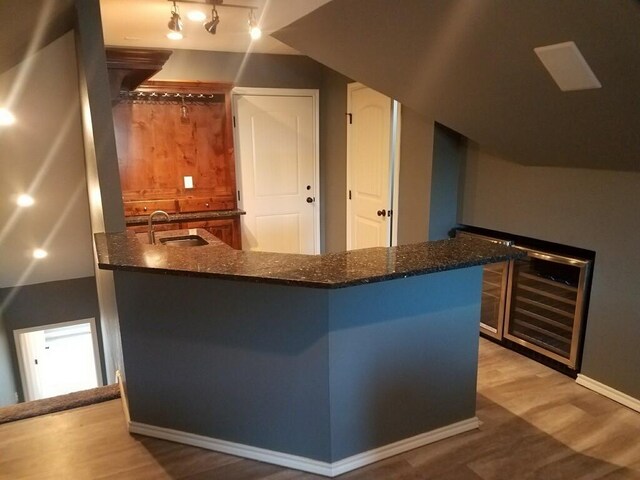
{"type": "Point", "coordinates": [403, 358]}
{"type": "Point", "coordinates": [252, 70]}
{"type": "Point", "coordinates": [416, 157]}
{"type": "Point", "coordinates": [42, 155]}
{"type": "Point", "coordinates": [8, 385]}
{"type": "Point", "coordinates": [448, 161]}
{"type": "Point", "coordinates": [310, 372]}
{"type": "Point", "coordinates": [333, 157]}
{"type": "Point", "coordinates": [42, 304]}
{"type": "Point", "coordinates": [592, 209]}
{"type": "Point", "coordinates": [101, 160]}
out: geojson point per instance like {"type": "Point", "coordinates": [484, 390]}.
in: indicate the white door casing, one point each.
{"type": "Point", "coordinates": [276, 139]}
{"type": "Point", "coordinates": [372, 145]}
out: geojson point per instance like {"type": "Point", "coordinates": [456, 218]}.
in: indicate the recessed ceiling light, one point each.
{"type": "Point", "coordinates": [24, 200]}
{"type": "Point", "coordinates": [174, 36]}
{"type": "Point", "coordinates": [196, 16]}
{"type": "Point", "coordinates": [6, 117]}
{"type": "Point", "coordinates": [567, 66]}
{"type": "Point", "coordinates": [39, 253]}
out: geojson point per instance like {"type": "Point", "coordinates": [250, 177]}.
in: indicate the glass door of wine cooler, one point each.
{"type": "Point", "coordinates": [495, 277]}
{"type": "Point", "coordinates": [545, 305]}
{"type": "Point", "coordinates": [494, 284]}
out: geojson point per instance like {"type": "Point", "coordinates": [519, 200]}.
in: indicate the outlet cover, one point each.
{"type": "Point", "coordinates": [188, 182]}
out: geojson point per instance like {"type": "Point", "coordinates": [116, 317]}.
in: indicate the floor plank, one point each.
{"type": "Point", "coordinates": [537, 424]}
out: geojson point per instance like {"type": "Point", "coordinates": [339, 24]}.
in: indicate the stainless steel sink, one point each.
{"type": "Point", "coordinates": [184, 241]}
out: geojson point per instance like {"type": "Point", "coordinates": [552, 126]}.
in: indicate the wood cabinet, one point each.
{"type": "Point", "coordinates": [166, 131]}
{"type": "Point", "coordinates": [227, 230]}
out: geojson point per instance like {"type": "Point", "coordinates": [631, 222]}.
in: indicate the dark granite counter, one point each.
{"type": "Point", "coordinates": [126, 251]}
{"type": "Point", "coordinates": [185, 217]}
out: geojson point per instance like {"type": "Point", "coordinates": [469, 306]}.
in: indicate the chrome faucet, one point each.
{"type": "Point", "coordinates": [152, 235]}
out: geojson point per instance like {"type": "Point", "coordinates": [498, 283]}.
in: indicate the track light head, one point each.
{"type": "Point", "coordinates": [212, 24]}
{"type": "Point", "coordinates": [175, 22]}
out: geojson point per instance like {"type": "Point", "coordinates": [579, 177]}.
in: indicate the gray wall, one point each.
{"type": "Point", "coordinates": [253, 70]}
{"type": "Point", "coordinates": [333, 160]}
{"type": "Point", "coordinates": [448, 161]}
{"type": "Point", "coordinates": [42, 154]}
{"type": "Point", "coordinates": [311, 372]}
{"type": "Point", "coordinates": [416, 157]}
{"type": "Point", "coordinates": [37, 305]}
{"type": "Point", "coordinates": [8, 385]}
{"type": "Point", "coordinates": [101, 161]}
{"type": "Point", "coordinates": [592, 209]}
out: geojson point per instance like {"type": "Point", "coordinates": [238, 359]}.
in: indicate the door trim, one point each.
{"type": "Point", "coordinates": [284, 92]}
{"type": "Point", "coordinates": [26, 392]}
{"type": "Point", "coordinates": [394, 174]}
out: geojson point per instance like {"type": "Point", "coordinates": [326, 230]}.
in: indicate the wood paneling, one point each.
{"type": "Point", "coordinates": [148, 206]}
{"type": "Point", "coordinates": [157, 149]}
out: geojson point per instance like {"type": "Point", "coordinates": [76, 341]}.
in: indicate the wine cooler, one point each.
{"type": "Point", "coordinates": [537, 303]}
{"type": "Point", "coordinates": [545, 304]}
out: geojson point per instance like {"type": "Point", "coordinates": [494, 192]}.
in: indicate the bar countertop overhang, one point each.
{"type": "Point", "coordinates": [125, 251]}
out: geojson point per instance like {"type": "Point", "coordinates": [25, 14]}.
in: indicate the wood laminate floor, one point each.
{"type": "Point", "coordinates": [537, 424]}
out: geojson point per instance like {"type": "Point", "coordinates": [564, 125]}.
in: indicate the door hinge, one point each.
{"type": "Point", "coordinates": [238, 195]}
{"type": "Point", "coordinates": [350, 118]}
{"type": "Point", "coordinates": [234, 121]}
{"type": "Point", "coordinates": [349, 194]}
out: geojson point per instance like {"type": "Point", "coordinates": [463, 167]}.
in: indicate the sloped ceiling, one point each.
{"type": "Point", "coordinates": [470, 65]}
{"type": "Point", "coordinates": [29, 25]}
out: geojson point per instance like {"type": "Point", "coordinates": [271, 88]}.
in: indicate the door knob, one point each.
{"type": "Point", "coordinates": [382, 213]}
{"type": "Point", "coordinates": [310, 199]}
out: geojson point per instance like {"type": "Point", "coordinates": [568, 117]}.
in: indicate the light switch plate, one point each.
{"type": "Point", "coordinates": [188, 182]}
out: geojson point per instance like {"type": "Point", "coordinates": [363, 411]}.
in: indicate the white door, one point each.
{"type": "Point", "coordinates": [371, 124]}
{"type": "Point", "coordinates": [276, 155]}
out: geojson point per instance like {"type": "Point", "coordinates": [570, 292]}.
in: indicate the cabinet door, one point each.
{"type": "Point", "coordinates": [227, 230]}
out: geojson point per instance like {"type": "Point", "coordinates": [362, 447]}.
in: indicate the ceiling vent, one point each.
{"type": "Point", "coordinates": [567, 66]}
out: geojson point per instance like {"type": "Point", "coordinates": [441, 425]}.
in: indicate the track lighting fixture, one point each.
{"type": "Point", "coordinates": [175, 24]}
{"type": "Point", "coordinates": [212, 24]}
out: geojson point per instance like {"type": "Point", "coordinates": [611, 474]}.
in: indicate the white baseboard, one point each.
{"type": "Point", "coordinates": [607, 391]}
{"type": "Point", "coordinates": [396, 448]}
{"type": "Point", "coordinates": [302, 463]}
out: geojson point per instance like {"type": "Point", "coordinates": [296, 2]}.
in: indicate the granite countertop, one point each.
{"type": "Point", "coordinates": [184, 217]}
{"type": "Point", "coordinates": [131, 252]}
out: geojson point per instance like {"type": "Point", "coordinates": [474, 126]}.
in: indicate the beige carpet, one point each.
{"type": "Point", "coordinates": [58, 404]}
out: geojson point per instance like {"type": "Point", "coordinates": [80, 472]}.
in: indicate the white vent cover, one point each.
{"type": "Point", "coordinates": [567, 66]}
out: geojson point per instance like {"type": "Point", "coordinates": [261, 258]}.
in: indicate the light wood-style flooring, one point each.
{"type": "Point", "coordinates": [537, 424]}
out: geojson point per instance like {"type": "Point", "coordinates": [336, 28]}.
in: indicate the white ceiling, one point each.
{"type": "Point", "coordinates": [143, 23]}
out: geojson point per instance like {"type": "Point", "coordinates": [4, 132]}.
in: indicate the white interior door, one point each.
{"type": "Point", "coordinates": [276, 155]}
{"type": "Point", "coordinates": [370, 150]}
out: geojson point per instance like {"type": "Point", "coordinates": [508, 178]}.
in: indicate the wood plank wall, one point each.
{"type": "Point", "coordinates": [156, 150]}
